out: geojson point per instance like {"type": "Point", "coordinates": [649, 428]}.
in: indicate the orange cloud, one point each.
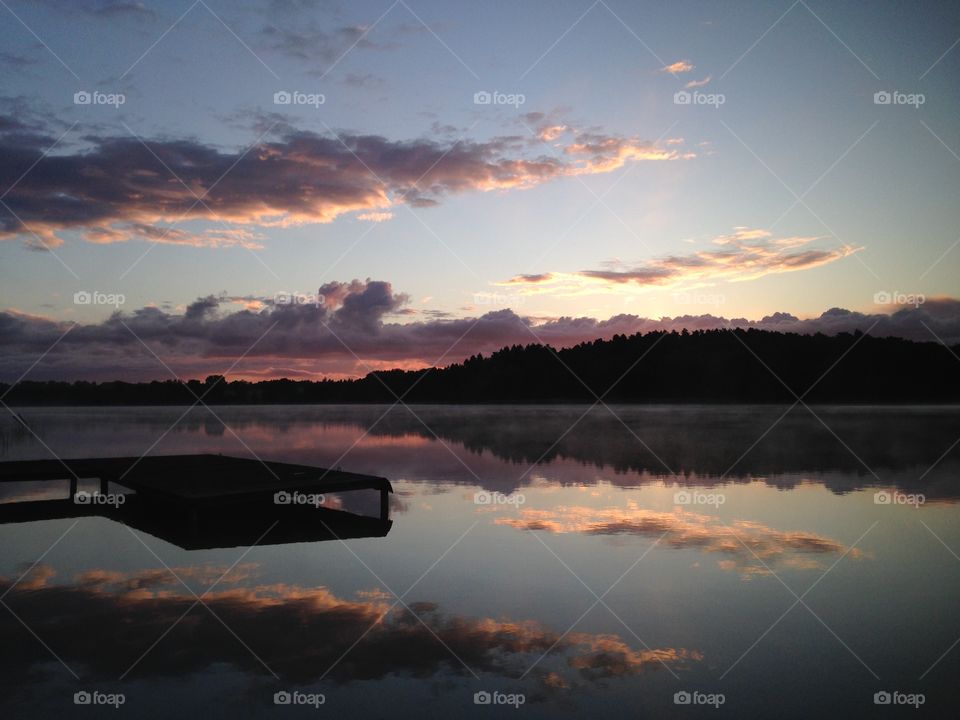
{"type": "Point", "coordinates": [680, 66]}
{"type": "Point", "coordinates": [551, 132]}
{"type": "Point", "coordinates": [212, 238]}
{"type": "Point", "coordinates": [745, 254]}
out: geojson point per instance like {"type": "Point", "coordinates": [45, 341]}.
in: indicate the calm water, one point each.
{"type": "Point", "coordinates": [596, 564]}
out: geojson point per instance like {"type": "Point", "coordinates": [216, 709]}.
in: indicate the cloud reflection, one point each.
{"type": "Point", "coordinates": [103, 620]}
{"type": "Point", "coordinates": [743, 546]}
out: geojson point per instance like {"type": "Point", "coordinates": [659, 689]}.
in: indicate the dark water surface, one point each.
{"type": "Point", "coordinates": [595, 562]}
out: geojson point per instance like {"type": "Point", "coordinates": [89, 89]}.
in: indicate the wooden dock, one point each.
{"type": "Point", "coordinates": [203, 500]}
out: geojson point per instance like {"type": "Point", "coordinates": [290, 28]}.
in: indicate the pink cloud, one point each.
{"type": "Point", "coordinates": [117, 189]}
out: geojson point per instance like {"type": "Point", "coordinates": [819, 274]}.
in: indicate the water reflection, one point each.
{"type": "Point", "coordinates": [879, 581]}
{"type": "Point", "coordinates": [843, 448]}
{"type": "Point", "coordinates": [747, 547]}
{"type": "Point", "coordinates": [298, 633]}
{"type": "Point", "coordinates": [217, 526]}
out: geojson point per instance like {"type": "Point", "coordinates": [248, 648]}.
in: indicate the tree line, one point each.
{"type": "Point", "coordinates": [721, 366]}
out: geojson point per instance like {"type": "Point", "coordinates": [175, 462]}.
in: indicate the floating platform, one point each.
{"type": "Point", "coordinates": [203, 501]}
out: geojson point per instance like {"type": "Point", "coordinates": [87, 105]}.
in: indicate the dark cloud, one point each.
{"type": "Point", "coordinates": [350, 321]}
{"type": "Point", "coordinates": [291, 6]}
{"type": "Point", "coordinates": [101, 8]}
{"type": "Point", "coordinates": [117, 189]}
{"type": "Point", "coordinates": [314, 43]}
{"type": "Point", "coordinates": [366, 80]}
{"type": "Point", "coordinates": [22, 126]}
{"type": "Point", "coordinates": [533, 278]}
{"type": "Point", "coordinates": [15, 60]}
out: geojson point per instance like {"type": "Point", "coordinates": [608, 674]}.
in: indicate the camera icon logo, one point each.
{"type": "Point", "coordinates": [82, 497]}
{"type": "Point", "coordinates": [681, 498]}
{"type": "Point", "coordinates": [282, 698]}
{"type": "Point", "coordinates": [282, 97]}
{"type": "Point", "coordinates": [82, 298]}
{"type": "Point", "coordinates": [82, 698]}
{"type": "Point", "coordinates": [882, 97]}
{"type": "Point", "coordinates": [482, 698]}
{"type": "Point", "coordinates": [82, 97]}
{"type": "Point", "coordinates": [882, 298]}
{"type": "Point", "coordinates": [682, 698]}
{"type": "Point", "coordinates": [882, 698]}
{"type": "Point", "coordinates": [282, 498]}
{"type": "Point", "coordinates": [882, 498]}
{"type": "Point", "coordinates": [482, 98]}
{"type": "Point", "coordinates": [482, 498]}
{"type": "Point", "coordinates": [682, 97]}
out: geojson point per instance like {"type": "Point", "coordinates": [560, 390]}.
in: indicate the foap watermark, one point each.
{"type": "Point", "coordinates": [695, 697]}
{"type": "Point", "coordinates": [895, 697]}
{"type": "Point", "coordinates": [685, 97]}
{"type": "Point", "coordinates": [498, 498]}
{"type": "Point", "coordinates": [298, 298]}
{"type": "Point", "coordinates": [95, 297]}
{"type": "Point", "coordinates": [496, 97]}
{"type": "Point", "coordinates": [695, 298]}
{"type": "Point", "coordinates": [298, 498]}
{"type": "Point", "coordinates": [484, 697]}
{"type": "Point", "coordinates": [96, 97]}
{"type": "Point", "coordinates": [95, 697]}
{"type": "Point", "coordinates": [895, 97]}
{"type": "Point", "coordinates": [895, 497]}
{"type": "Point", "coordinates": [895, 297]}
{"type": "Point", "coordinates": [295, 97]}
{"type": "Point", "coordinates": [497, 299]}
{"type": "Point", "coordinates": [295, 697]}
{"type": "Point", "coordinates": [82, 497]}
{"type": "Point", "coordinates": [694, 497]}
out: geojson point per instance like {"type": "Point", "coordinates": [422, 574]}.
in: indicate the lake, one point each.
{"type": "Point", "coordinates": [543, 561]}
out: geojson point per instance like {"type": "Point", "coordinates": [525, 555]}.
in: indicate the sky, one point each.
{"type": "Point", "coordinates": [310, 189]}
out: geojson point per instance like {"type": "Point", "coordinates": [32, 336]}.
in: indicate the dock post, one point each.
{"type": "Point", "coordinates": [384, 504]}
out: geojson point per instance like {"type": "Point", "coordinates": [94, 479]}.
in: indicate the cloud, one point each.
{"type": "Point", "coordinates": [169, 235]}
{"type": "Point", "coordinates": [117, 189]}
{"type": "Point", "coordinates": [533, 278]}
{"type": "Point", "coordinates": [745, 254]}
{"type": "Point", "coordinates": [16, 60]}
{"type": "Point", "coordinates": [313, 43]}
{"type": "Point", "coordinates": [680, 66]}
{"type": "Point", "coordinates": [102, 9]}
{"type": "Point", "coordinates": [365, 80]}
{"type": "Point", "coordinates": [697, 83]}
{"type": "Point", "coordinates": [549, 133]}
{"type": "Point", "coordinates": [353, 321]}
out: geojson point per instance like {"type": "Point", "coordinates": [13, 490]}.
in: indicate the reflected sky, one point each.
{"type": "Point", "coordinates": [583, 581]}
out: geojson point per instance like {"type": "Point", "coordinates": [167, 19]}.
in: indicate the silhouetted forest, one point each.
{"type": "Point", "coordinates": [703, 366]}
